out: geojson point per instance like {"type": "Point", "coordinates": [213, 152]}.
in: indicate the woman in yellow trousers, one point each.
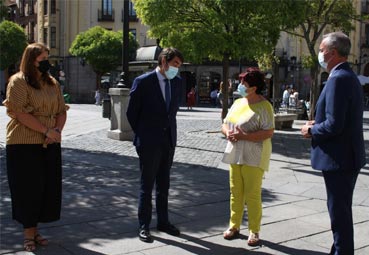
{"type": "Point", "coordinates": [248, 126]}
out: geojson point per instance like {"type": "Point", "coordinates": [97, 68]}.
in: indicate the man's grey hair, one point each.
{"type": "Point", "coordinates": [338, 41]}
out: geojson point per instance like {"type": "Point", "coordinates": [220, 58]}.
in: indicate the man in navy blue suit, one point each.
{"type": "Point", "coordinates": [337, 146]}
{"type": "Point", "coordinates": [152, 111]}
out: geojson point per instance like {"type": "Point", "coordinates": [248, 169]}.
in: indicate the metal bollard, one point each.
{"type": "Point", "coordinates": [106, 108]}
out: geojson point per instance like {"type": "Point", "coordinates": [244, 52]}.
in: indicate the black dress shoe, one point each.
{"type": "Point", "coordinates": [169, 229]}
{"type": "Point", "coordinates": [145, 236]}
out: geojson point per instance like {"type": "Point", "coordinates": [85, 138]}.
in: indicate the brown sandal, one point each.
{"type": "Point", "coordinates": [253, 239]}
{"type": "Point", "coordinates": [231, 233]}
{"type": "Point", "coordinates": [29, 245]}
{"type": "Point", "coordinates": [40, 240]}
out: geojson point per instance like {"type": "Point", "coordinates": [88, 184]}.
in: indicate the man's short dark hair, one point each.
{"type": "Point", "coordinates": [169, 54]}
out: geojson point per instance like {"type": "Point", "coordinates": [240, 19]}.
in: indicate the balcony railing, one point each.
{"type": "Point", "coordinates": [132, 17]}
{"type": "Point", "coordinates": [104, 15]}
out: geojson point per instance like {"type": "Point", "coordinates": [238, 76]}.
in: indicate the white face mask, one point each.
{"type": "Point", "coordinates": [321, 60]}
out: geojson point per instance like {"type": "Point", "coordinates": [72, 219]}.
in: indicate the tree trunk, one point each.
{"type": "Point", "coordinates": [314, 91]}
{"type": "Point", "coordinates": [98, 80]}
{"type": "Point", "coordinates": [275, 68]}
{"type": "Point", "coordinates": [225, 85]}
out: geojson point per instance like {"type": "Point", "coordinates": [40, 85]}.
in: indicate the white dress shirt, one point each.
{"type": "Point", "coordinates": [162, 82]}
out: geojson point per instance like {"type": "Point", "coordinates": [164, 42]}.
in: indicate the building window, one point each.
{"type": "Point", "coordinates": [45, 6]}
{"type": "Point", "coordinates": [132, 16]}
{"type": "Point", "coordinates": [32, 32]}
{"type": "Point", "coordinates": [107, 7]}
{"type": "Point", "coordinates": [366, 35]}
{"type": "Point", "coordinates": [107, 12]}
{"type": "Point", "coordinates": [31, 7]}
{"type": "Point", "coordinates": [22, 8]}
{"type": "Point", "coordinates": [132, 11]}
{"type": "Point", "coordinates": [53, 6]}
{"type": "Point", "coordinates": [45, 35]}
{"type": "Point", "coordinates": [28, 27]}
{"type": "Point", "coordinates": [53, 37]}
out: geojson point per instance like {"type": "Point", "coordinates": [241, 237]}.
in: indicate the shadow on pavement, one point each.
{"type": "Point", "coordinates": [100, 191]}
{"type": "Point", "coordinates": [200, 246]}
{"type": "Point", "coordinates": [289, 250]}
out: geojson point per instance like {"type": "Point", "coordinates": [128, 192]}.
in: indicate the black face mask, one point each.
{"type": "Point", "coordinates": [44, 66]}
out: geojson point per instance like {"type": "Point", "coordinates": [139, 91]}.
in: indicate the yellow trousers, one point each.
{"type": "Point", "coordinates": [245, 186]}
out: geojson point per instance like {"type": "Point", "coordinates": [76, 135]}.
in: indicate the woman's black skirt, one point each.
{"type": "Point", "coordinates": [35, 181]}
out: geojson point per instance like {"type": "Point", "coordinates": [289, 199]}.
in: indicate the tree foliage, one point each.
{"type": "Point", "coordinates": [211, 28]}
{"type": "Point", "coordinates": [216, 29]}
{"type": "Point", "coordinates": [318, 17]}
{"type": "Point", "coordinates": [102, 49]}
{"type": "Point", "coordinates": [13, 41]}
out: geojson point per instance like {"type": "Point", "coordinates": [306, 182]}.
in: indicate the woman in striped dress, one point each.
{"type": "Point", "coordinates": [248, 126]}
{"type": "Point", "coordinates": [37, 116]}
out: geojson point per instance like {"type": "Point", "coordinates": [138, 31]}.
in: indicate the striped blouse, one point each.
{"type": "Point", "coordinates": [44, 104]}
{"type": "Point", "coordinates": [250, 118]}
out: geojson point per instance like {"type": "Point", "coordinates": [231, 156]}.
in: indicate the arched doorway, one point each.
{"type": "Point", "coordinates": [188, 82]}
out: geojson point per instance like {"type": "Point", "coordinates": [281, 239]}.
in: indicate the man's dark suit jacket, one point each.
{"type": "Point", "coordinates": [337, 141]}
{"type": "Point", "coordinates": [147, 113]}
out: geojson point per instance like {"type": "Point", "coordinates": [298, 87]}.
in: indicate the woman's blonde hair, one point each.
{"type": "Point", "coordinates": [28, 68]}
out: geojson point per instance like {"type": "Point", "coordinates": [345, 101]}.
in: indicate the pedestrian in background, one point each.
{"type": "Point", "coordinates": [286, 96]}
{"type": "Point", "coordinates": [293, 99]}
{"type": "Point", "coordinates": [152, 110]}
{"type": "Point", "coordinates": [220, 95]}
{"type": "Point", "coordinates": [97, 97]}
{"type": "Point", "coordinates": [191, 99]}
{"type": "Point", "coordinates": [213, 96]}
{"type": "Point", "coordinates": [337, 143]}
{"type": "Point", "coordinates": [248, 126]}
{"type": "Point", "coordinates": [37, 116]}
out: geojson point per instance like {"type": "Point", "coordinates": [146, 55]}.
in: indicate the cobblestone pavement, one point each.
{"type": "Point", "coordinates": [100, 187]}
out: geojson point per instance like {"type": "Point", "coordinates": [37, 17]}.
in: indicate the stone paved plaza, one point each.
{"type": "Point", "coordinates": [100, 191]}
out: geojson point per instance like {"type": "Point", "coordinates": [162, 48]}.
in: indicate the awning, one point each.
{"type": "Point", "coordinates": [148, 53]}
{"type": "Point", "coordinates": [363, 79]}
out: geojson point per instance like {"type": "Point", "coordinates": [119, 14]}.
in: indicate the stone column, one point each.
{"type": "Point", "coordinates": [119, 126]}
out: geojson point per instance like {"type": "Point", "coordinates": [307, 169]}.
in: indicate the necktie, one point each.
{"type": "Point", "coordinates": [167, 93]}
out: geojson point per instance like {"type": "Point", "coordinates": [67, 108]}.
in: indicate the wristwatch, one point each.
{"type": "Point", "coordinates": [309, 131]}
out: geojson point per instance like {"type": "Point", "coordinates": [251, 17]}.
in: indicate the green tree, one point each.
{"type": "Point", "coordinates": [217, 29]}
{"type": "Point", "coordinates": [102, 49]}
{"type": "Point", "coordinates": [13, 41]}
{"type": "Point", "coordinates": [320, 16]}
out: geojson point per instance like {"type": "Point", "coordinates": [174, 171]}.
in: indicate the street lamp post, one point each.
{"type": "Point", "coordinates": [126, 41]}
{"type": "Point", "coordinates": [119, 126]}
{"type": "Point", "coordinates": [124, 82]}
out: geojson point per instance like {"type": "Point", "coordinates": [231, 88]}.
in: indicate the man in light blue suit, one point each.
{"type": "Point", "coordinates": [151, 112]}
{"type": "Point", "coordinates": [337, 138]}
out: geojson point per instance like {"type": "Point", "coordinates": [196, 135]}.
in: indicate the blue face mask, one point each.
{"type": "Point", "coordinates": [242, 90]}
{"type": "Point", "coordinates": [171, 72]}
